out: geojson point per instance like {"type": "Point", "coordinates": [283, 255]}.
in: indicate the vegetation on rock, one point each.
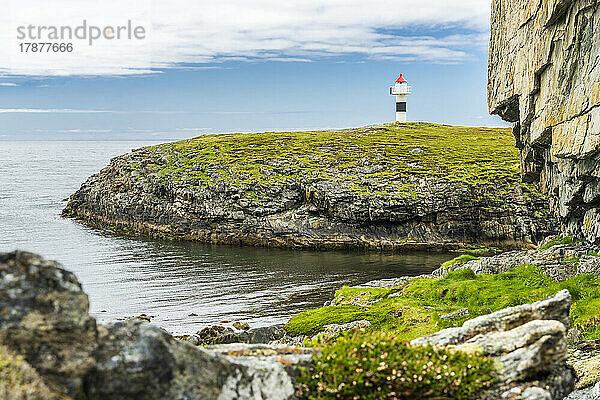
{"type": "Point", "coordinates": [414, 309]}
{"type": "Point", "coordinates": [393, 152]}
{"type": "Point", "coordinates": [381, 366]}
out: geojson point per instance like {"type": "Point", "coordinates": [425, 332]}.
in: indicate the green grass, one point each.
{"type": "Point", "coordinates": [413, 310]}
{"type": "Point", "coordinates": [380, 366]}
{"type": "Point", "coordinates": [558, 241]}
{"type": "Point", "coordinates": [372, 160]}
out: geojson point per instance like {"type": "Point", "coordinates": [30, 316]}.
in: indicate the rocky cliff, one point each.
{"type": "Point", "coordinates": [544, 76]}
{"type": "Point", "coordinates": [392, 187]}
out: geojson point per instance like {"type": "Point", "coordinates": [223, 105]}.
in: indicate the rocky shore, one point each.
{"type": "Point", "coordinates": [50, 348]}
{"type": "Point", "coordinates": [393, 187]}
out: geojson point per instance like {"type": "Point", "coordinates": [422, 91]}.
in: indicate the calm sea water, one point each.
{"type": "Point", "coordinates": [130, 276]}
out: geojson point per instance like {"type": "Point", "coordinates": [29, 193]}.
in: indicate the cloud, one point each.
{"type": "Point", "coordinates": [191, 33]}
{"type": "Point", "coordinates": [51, 111]}
{"type": "Point", "coordinates": [84, 111]}
{"type": "Point", "coordinates": [8, 84]}
{"type": "Point", "coordinates": [76, 111]}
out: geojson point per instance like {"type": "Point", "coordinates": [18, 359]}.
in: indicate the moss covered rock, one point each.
{"type": "Point", "coordinates": [389, 187]}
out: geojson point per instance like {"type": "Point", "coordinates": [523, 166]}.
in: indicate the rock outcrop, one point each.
{"type": "Point", "coordinates": [544, 76]}
{"type": "Point", "coordinates": [560, 262]}
{"type": "Point", "coordinates": [527, 341]}
{"type": "Point", "coordinates": [44, 319]}
{"type": "Point", "coordinates": [361, 188]}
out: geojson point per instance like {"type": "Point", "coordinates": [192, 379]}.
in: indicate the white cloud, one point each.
{"type": "Point", "coordinates": [49, 111]}
{"type": "Point", "coordinates": [10, 84]}
{"type": "Point", "coordinates": [76, 111]}
{"type": "Point", "coordinates": [207, 31]}
{"type": "Point", "coordinates": [84, 111]}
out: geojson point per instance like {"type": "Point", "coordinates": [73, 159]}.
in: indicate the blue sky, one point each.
{"type": "Point", "coordinates": [255, 74]}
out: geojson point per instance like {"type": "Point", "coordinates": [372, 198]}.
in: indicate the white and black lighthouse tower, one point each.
{"type": "Point", "coordinates": [401, 90]}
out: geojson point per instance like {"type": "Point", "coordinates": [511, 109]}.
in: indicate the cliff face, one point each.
{"type": "Point", "coordinates": [394, 187]}
{"type": "Point", "coordinates": [544, 76]}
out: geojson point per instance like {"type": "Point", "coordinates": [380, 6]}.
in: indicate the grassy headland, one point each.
{"type": "Point", "coordinates": [398, 186]}
{"type": "Point", "coordinates": [399, 152]}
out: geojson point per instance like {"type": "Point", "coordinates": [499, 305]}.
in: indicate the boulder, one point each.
{"type": "Point", "coordinates": [137, 360]}
{"type": "Point", "coordinates": [225, 335]}
{"type": "Point", "coordinates": [528, 342]}
{"type": "Point", "coordinates": [44, 317]}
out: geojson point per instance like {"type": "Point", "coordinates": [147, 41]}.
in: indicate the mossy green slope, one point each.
{"type": "Point", "coordinates": [470, 155]}
{"type": "Point", "coordinates": [414, 310]}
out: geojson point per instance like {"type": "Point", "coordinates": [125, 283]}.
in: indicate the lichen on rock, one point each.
{"type": "Point", "coordinates": [544, 77]}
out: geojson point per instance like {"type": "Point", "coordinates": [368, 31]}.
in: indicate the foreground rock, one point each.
{"type": "Point", "coordinates": [528, 342]}
{"type": "Point", "coordinates": [43, 308]}
{"type": "Point", "coordinates": [544, 77]}
{"type": "Point", "coordinates": [395, 187]}
{"type": "Point", "coordinates": [44, 318]}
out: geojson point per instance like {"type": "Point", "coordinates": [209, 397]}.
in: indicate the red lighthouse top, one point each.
{"type": "Point", "coordinates": [401, 79]}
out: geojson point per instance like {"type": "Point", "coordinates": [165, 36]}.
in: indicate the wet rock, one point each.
{"type": "Point", "coordinates": [142, 317]}
{"type": "Point", "coordinates": [193, 339]}
{"type": "Point", "coordinates": [262, 335]}
{"type": "Point", "coordinates": [44, 317]}
{"type": "Point", "coordinates": [209, 334]}
{"type": "Point", "coordinates": [527, 341]}
{"type": "Point", "coordinates": [242, 326]}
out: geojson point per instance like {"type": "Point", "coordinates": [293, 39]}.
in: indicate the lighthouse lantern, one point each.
{"type": "Point", "coordinates": [401, 90]}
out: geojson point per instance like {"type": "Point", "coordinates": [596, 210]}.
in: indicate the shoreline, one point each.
{"type": "Point", "coordinates": [381, 188]}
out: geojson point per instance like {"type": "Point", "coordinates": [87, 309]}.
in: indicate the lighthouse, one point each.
{"type": "Point", "coordinates": [401, 90]}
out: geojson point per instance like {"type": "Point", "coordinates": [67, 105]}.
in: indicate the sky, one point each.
{"type": "Point", "coordinates": [196, 67]}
